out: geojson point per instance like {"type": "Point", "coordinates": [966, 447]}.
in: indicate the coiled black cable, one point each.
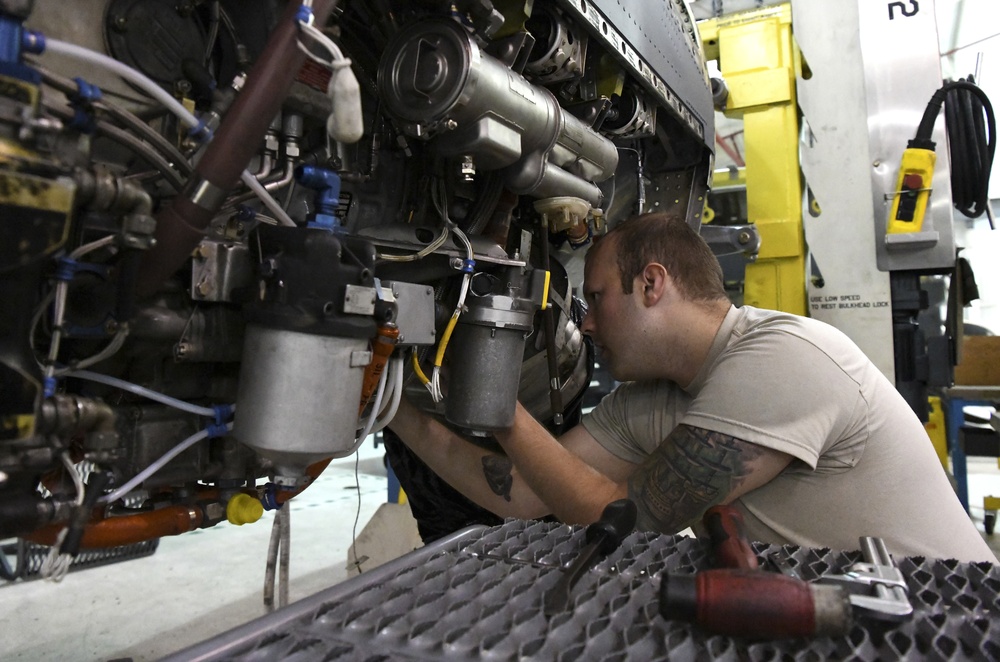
{"type": "Point", "coordinates": [971, 129]}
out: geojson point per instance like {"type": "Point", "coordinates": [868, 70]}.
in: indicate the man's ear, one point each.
{"type": "Point", "coordinates": [654, 281]}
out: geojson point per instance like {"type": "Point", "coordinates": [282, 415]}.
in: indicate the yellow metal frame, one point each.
{"type": "Point", "coordinates": [759, 61]}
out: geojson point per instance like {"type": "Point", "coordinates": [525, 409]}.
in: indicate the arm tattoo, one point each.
{"type": "Point", "coordinates": [691, 470]}
{"type": "Point", "coordinates": [497, 470]}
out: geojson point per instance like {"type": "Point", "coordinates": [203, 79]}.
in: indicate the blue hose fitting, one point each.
{"type": "Point", "coordinates": [326, 183]}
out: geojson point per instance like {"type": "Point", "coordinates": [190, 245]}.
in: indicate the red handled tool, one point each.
{"type": "Point", "coordinates": [730, 545]}
{"type": "Point", "coordinates": [739, 600]}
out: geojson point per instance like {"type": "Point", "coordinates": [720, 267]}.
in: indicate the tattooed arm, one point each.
{"type": "Point", "coordinates": [492, 480]}
{"type": "Point", "coordinates": [694, 469]}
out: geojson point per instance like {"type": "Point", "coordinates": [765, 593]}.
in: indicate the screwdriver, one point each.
{"type": "Point", "coordinates": [730, 545]}
{"type": "Point", "coordinates": [602, 537]}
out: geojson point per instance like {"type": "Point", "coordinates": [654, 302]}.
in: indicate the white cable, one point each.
{"type": "Point", "coordinates": [375, 407]}
{"type": "Point", "coordinates": [268, 200]}
{"type": "Point", "coordinates": [158, 464]}
{"type": "Point", "coordinates": [109, 351]}
{"type": "Point", "coordinates": [397, 395]}
{"type": "Point", "coordinates": [144, 392]}
{"type": "Point", "coordinates": [128, 73]}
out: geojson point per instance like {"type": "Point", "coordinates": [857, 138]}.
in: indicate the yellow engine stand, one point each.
{"type": "Point", "coordinates": [759, 61]}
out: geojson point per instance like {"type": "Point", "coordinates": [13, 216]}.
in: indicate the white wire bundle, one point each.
{"type": "Point", "coordinates": [397, 395]}
{"type": "Point", "coordinates": [56, 565]}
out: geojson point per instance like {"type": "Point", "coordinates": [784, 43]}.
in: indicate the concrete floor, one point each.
{"type": "Point", "coordinates": [203, 583]}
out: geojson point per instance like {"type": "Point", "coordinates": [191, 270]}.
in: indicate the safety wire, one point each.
{"type": "Point", "coordinates": [57, 563]}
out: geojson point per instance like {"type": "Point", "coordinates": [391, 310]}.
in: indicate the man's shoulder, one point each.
{"type": "Point", "coordinates": [761, 320]}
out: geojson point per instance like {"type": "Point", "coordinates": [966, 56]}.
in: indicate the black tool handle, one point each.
{"type": "Point", "coordinates": [617, 521]}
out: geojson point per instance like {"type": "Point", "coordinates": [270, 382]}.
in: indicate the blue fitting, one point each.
{"type": "Point", "coordinates": [200, 131]}
{"type": "Point", "coordinates": [49, 386]}
{"type": "Point", "coordinates": [67, 268]}
{"type": "Point", "coordinates": [269, 496]}
{"type": "Point", "coordinates": [32, 42]}
{"type": "Point", "coordinates": [222, 413]}
{"type": "Point", "coordinates": [82, 101]}
{"type": "Point", "coordinates": [85, 92]}
{"type": "Point", "coordinates": [244, 213]}
{"type": "Point", "coordinates": [468, 266]}
{"type": "Point", "coordinates": [303, 15]}
{"type": "Point", "coordinates": [10, 39]}
{"type": "Point", "coordinates": [216, 430]}
{"type": "Point", "coordinates": [326, 183]}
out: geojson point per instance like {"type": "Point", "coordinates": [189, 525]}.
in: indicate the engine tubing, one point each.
{"type": "Point", "coordinates": [234, 144]}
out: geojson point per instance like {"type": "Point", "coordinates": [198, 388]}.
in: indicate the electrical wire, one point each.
{"type": "Point", "coordinates": [376, 406]}
{"type": "Point", "coordinates": [158, 464]}
{"type": "Point", "coordinates": [106, 353]}
{"type": "Point", "coordinates": [435, 383]}
{"type": "Point", "coordinates": [397, 396]}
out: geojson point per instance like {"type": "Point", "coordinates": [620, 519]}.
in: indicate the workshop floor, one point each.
{"type": "Point", "coordinates": [200, 584]}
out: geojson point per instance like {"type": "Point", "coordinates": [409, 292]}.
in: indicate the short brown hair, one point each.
{"type": "Point", "coordinates": [670, 241]}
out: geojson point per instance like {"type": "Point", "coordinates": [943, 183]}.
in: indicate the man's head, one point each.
{"type": "Point", "coordinates": [654, 291]}
{"type": "Point", "coordinates": [668, 240]}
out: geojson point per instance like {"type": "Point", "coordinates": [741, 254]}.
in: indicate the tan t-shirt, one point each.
{"type": "Point", "coordinates": [864, 467]}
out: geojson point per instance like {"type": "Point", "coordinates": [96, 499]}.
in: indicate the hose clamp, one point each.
{"type": "Point", "coordinates": [204, 193]}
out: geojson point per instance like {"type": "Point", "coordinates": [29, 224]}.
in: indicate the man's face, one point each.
{"type": "Point", "coordinates": [611, 313]}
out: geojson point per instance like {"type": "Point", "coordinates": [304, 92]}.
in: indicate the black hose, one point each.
{"type": "Point", "coordinates": [971, 129]}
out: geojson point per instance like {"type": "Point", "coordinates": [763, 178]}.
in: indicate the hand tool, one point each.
{"type": "Point", "coordinates": [602, 537]}
{"type": "Point", "coordinates": [756, 604]}
{"type": "Point", "coordinates": [739, 600]}
{"type": "Point", "coordinates": [877, 587]}
{"type": "Point", "coordinates": [730, 545]}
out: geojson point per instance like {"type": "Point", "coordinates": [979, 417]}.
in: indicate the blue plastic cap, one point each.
{"type": "Point", "coordinates": [49, 386]}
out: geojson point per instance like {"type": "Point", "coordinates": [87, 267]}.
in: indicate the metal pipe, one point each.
{"type": "Point", "coordinates": [180, 226]}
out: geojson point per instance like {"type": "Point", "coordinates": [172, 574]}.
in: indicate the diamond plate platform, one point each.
{"type": "Point", "coordinates": [477, 595]}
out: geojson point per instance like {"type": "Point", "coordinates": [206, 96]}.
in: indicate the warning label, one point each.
{"type": "Point", "coordinates": [843, 302]}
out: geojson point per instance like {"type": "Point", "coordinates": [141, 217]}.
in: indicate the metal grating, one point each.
{"type": "Point", "coordinates": [478, 596]}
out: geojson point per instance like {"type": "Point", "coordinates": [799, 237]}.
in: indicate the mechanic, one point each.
{"type": "Point", "coordinates": [781, 416]}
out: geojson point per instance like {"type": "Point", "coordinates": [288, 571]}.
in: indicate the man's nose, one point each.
{"type": "Point", "coordinates": [587, 326]}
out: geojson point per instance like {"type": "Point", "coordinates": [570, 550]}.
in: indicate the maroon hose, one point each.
{"type": "Point", "coordinates": [179, 227]}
